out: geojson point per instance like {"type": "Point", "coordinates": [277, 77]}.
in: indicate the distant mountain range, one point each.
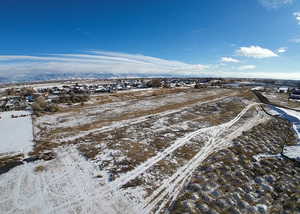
{"type": "Point", "coordinates": [49, 76]}
{"type": "Point", "coordinates": [46, 76]}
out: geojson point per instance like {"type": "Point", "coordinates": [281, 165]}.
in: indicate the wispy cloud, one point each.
{"type": "Point", "coordinates": [120, 64]}
{"type": "Point", "coordinates": [297, 16]}
{"type": "Point", "coordinates": [282, 50]}
{"type": "Point", "coordinates": [246, 67]}
{"type": "Point", "coordinates": [274, 4]}
{"type": "Point", "coordinates": [229, 59]}
{"type": "Point", "coordinates": [255, 52]}
{"type": "Point", "coordinates": [97, 61]}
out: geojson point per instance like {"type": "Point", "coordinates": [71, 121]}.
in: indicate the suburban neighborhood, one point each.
{"type": "Point", "coordinates": [24, 98]}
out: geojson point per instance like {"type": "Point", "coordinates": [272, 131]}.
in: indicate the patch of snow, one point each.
{"type": "Point", "coordinates": [261, 208]}
{"type": "Point", "coordinates": [67, 184]}
{"type": "Point", "coordinates": [16, 133]}
{"type": "Point", "coordinates": [292, 152]}
{"type": "Point", "coordinates": [261, 156]}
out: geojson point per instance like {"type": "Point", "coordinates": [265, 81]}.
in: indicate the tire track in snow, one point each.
{"type": "Point", "coordinates": [171, 187]}
{"type": "Point", "coordinates": [178, 143]}
{"type": "Point", "coordinates": [74, 192]}
{"type": "Point", "coordinates": [84, 191]}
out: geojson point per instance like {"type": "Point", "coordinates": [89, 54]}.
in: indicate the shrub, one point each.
{"type": "Point", "coordinates": [154, 83]}
{"type": "Point", "coordinates": [27, 91]}
{"type": "Point", "coordinates": [39, 168]}
{"type": "Point", "coordinates": [52, 108]}
{"type": "Point", "coordinates": [36, 107]}
{"type": "Point", "coordinates": [72, 98]}
{"type": "Point", "coordinates": [41, 102]}
{"type": "Point", "coordinates": [40, 105]}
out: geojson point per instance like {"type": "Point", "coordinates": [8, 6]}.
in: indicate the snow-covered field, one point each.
{"type": "Point", "coordinates": [107, 112]}
{"type": "Point", "coordinates": [66, 184]}
{"type": "Point", "coordinates": [127, 156]}
{"type": "Point", "coordinates": [16, 133]}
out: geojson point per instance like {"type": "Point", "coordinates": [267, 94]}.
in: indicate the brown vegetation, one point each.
{"type": "Point", "coordinates": [40, 168]}
{"type": "Point", "coordinates": [40, 106]}
{"type": "Point", "coordinates": [233, 175]}
{"type": "Point", "coordinates": [90, 151]}
{"type": "Point", "coordinates": [140, 113]}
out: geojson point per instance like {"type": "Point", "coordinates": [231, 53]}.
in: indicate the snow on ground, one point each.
{"type": "Point", "coordinates": [219, 137]}
{"type": "Point", "coordinates": [66, 184]}
{"type": "Point", "coordinates": [110, 110]}
{"type": "Point", "coordinates": [294, 117]}
{"type": "Point", "coordinates": [292, 151]}
{"type": "Point", "coordinates": [169, 190]}
{"type": "Point", "coordinates": [16, 133]}
{"type": "Point", "coordinates": [60, 120]}
{"type": "Point", "coordinates": [69, 184]}
{"type": "Point", "coordinates": [262, 156]}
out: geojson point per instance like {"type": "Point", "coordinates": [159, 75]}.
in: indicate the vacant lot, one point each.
{"type": "Point", "coordinates": [143, 151]}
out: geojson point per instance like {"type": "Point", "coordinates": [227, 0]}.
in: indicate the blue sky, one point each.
{"type": "Point", "coordinates": [228, 38]}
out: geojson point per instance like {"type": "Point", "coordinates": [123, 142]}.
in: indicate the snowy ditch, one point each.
{"type": "Point", "coordinates": [292, 152]}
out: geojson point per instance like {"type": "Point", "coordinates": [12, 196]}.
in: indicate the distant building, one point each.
{"type": "Point", "coordinates": [283, 90]}
{"type": "Point", "coordinates": [295, 94]}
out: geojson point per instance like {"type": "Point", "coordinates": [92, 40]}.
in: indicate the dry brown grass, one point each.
{"type": "Point", "coordinates": [41, 146]}
{"type": "Point", "coordinates": [10, 159]}
{"type": "Point", "coordinates": [228, 111]}
{"type": "Point", "coordinates": [247, 94]}
{"type": "Point", "coordinates": [186, 152]}
{"type": "Point", "coordinates": [282, 99]}
{"type": "Point", "coordinates": [138, 153]}
{"type": "Point", "coordinates": [139, 113]}
{"type": "Point", "coordinates": [166, 167]}
{"type": "Point", "coordinates": [159, 143]}
{"type": "Point", "coordinates": [116, 97]}
{"type": "Point", "coordinates": [133, 183]}
{"type": "Point", "coordinates": [235, 170]}
{"type": "Point", "coordinates": [89, 151]}
{"type": "Point", "coordinates": [40, 168]}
